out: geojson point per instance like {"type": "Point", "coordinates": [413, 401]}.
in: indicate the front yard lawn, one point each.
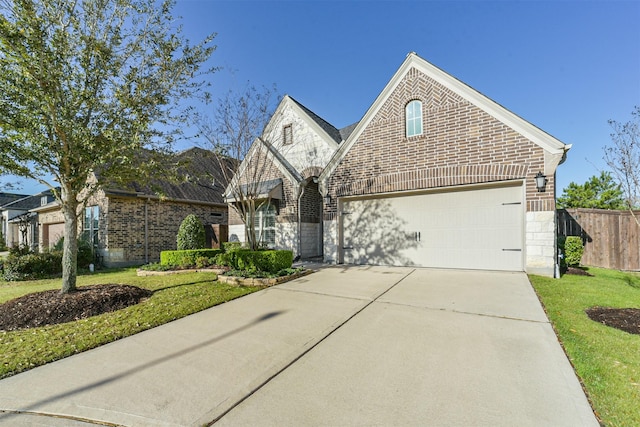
{"type": "Point", "coordinates": [606, 359]}
{"type": "Point", "coordinates": [173, 297]}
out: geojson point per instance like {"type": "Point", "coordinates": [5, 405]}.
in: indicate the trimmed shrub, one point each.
{"type": "Point", "coordinates": [191, 234]}
{"type": "Point", "coordinates": [573, 250]}
{"type": "Point", "coordinates": [187, 258]}
{"type": "Point", "coordinates": [270, 261]}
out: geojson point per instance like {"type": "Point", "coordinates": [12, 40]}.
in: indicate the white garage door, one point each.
{"type": "Point", "coordinates": [480, 228]}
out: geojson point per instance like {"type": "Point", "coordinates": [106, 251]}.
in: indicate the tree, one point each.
{"type": "Point", "coordinates": [599, 192]}
{"type": "Point", "coordinates": [191, 234]}
{"type": "Point", "coordinates": [623, 158]}
{"type": "Point", "coordinates": [86, 86]}
{"type": "Point", "coordinates": [235, 132]}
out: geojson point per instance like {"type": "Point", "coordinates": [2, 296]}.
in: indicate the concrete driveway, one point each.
{"type": "Point", "coordinates": [343, 346]}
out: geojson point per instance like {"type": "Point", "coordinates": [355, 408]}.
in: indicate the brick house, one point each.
{"type": "Point", "coordinates": [283, 168]}
{"type": "Point", "coordinates": [132, 226]}
{"type": "Point", "coordinates": [435, 174]}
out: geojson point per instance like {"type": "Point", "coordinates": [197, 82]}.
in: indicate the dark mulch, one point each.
{"type": "Point", "coordinates": [53, 307]}
{"type": "Point", "coordinates": [625, 319]}
{"type": "Point", "coordinates": [578, 271]}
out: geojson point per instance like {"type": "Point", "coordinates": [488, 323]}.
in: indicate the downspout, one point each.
{"type": "Point", "coordinates": [303, 186]}
{"type": "Point", "coordinates": [146, 231]}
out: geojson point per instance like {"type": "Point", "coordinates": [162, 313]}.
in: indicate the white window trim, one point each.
{"type": "Point", "coordinates": [413, 120]}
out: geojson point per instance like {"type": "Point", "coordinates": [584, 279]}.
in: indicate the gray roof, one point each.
{"type": "Point", "coordinates": [6, 198]}
{"type": "Point", "coordinates": [325, 125]}
{"type": "Point", "coordinates": [28, 202]}
{"type": "Point", "coordinates": [345, 132]}
{"type": "Point", "coordinates": [200, 178]}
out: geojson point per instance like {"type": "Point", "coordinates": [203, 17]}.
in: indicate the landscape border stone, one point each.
{"type": "Point", "coordinates": [218, 271]}
{"type": "Point", "coordinates": [262, 282]}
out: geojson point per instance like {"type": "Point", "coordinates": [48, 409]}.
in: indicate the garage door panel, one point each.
{"type": "Point", "coordinates": [478, 229]}
{"type": "Point", "coordinates": [378, 233]}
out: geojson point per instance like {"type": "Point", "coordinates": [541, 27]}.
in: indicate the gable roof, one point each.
{"type": "Point", "coordinates": [6, 198]}
{"type": "Point", "coordinates": [324, 129]}
{"type": "Point", "coordinates": [202, 179]}
{"type": "Point", "coordinates": [346, 131]}
{"type": "Point", "coordinates": [28, 202]}
{"type": "Point", "coordinates": [550, 144]}
{"type": "Point", "coordinates": [325, 125]}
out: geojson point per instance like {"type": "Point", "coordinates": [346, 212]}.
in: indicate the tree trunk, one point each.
{"type": "Point", "coordinates": [70, 248]}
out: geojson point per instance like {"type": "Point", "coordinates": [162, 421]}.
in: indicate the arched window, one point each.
{"type": "Point", "coordinates": [413, 114]}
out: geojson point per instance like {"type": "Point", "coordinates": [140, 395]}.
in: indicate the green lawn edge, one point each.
{"type": "Point", "coordinates": [606, 360]}
{"type": "Point", "coordinates": [174, 297]}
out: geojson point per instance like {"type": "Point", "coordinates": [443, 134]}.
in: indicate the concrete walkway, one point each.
{"type": "Point", "coordinates": [343, 346]}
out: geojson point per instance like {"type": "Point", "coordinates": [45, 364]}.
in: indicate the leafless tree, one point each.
{"type": "Point", "coordinates": [623, 158]}
{"type": "Point", "coordinates": [234, 132]}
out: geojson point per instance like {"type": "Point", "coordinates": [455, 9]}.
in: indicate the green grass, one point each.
{"type": "Point", "coordinates": [607, 360]}
{"type": "Point", "coordinates": [175, 296]}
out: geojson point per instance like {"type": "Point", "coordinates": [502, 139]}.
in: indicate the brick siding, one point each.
{"type": "Point", "coordinates": [460, 144]}
{"type": "Point", "coordinates": [122, 227]}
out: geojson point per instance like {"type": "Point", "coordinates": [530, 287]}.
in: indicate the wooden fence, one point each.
{"type": "Point", "coordinates": [611, 238]}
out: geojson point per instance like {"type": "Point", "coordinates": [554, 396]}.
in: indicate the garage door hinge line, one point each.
{"type": "Point", "coordinates": [301, 355]}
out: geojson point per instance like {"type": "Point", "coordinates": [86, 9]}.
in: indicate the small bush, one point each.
{"type": "Point", "coordinates": [223, 260]}
{"type": "Point", "coordinates": [157, 267]}
{"type": "Point", "coordinates": [3, 245]}
{"type": "Point", "coordinates": [262, 274]}
{"type": "Point", "coordinates": [187, 258]}
{"type": "Point", "coordinates": [86, 254]}
{"type": "Point", "coordinates": [32, 266]}
{"type": "Point", "coordinates": [573, 250]}
{"type": "Point", "coordinates": [231, 246]}
{"type": "Point", "coordinates": [203, 261]}
{"type": "Point", "coordinates": [191, 234]}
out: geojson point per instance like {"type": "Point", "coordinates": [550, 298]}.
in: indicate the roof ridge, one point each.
{"type": "Point", "coordinates": [331, 130]}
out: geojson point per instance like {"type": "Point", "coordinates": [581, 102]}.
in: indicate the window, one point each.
{"type": "Point", "coordinates": [90, 225]}
{"type": "Point", "coordinates": [264, 224]}
{"type": "Point", "coordinates": [287, 134]}
{"type": "Point", "coordinates": [413, 113]}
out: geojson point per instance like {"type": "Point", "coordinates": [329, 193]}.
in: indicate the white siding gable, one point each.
{"type": "Point", "coordinates": [310, 145]}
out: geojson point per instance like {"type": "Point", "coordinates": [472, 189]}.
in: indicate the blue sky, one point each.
{"type": "Point", "coordinates": [565, 66]}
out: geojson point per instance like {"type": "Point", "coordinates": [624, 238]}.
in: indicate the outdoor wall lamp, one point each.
{"type": "Point", "coordinates": [541, 181]}
{"type": "Point", "coordinates": [327, 199]}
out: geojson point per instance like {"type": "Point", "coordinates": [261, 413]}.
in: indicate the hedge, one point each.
{"type": "Point", "coordinates": [270, 261]}
{"type": "Point", "coordinates": [32, 266]}
{"type": "Point", "coordinates": [188, 257]}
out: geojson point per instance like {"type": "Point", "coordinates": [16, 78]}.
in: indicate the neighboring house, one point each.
{"type": "Point", "coordinates": [435, 174]}
{"type": "Point", "coordinates": [132, 226]}
{"type": "Point", "coordinates": [19, 225]}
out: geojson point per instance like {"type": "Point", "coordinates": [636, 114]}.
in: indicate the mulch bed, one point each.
{"type": "Point", "coordinates": [52, 307]}
{"type": "Point", "coordinates": [625, 319]}
{"type": "Point", "coordinates": [578, 271]}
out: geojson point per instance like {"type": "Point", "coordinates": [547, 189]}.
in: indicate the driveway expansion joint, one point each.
{"type": "Point", "coordinates": [305, 352]}
{"type": "Point", "coordinates": [61, 417]}
{"type": "Point", "coordinates": [495, 316]}
{"type": "Point", "coordinates": [324, 294]}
